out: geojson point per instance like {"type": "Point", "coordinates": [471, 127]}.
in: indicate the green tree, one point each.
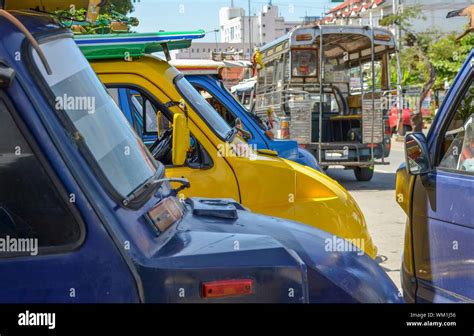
{"type": "Point", "coordinates": [415, 62]}
{"type": "Point", "coordinates": [76, 20]}
{"type": "Point", "coordinates": [122, 6]}
{"type": "Point", "coordinates": [447, 56]}
{"type": "Point", "coordinates": [429, 59]}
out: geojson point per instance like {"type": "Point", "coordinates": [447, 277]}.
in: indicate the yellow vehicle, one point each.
{"type": "Point", "coordinates": [220, 163]}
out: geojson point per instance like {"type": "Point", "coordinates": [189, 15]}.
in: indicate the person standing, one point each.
{"type": "Point", "coordinates": [406, 123]}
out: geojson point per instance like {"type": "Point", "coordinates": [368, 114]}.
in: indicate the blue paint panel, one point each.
{"type": "Point", "coordinates": [442, 221]}
{"type": "Point", "coordinates": [95, 271]}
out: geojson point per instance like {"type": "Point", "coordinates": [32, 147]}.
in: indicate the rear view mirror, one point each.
{"type": "Point", "coordinates": [7, 75]}
{"type": "Point", "coordinates": [417, 154]}
{"type": "Point", "coordinates": [181, 139]}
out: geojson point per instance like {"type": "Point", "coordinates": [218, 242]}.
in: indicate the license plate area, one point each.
{"type": "Point", "coordinates": [336, 154]}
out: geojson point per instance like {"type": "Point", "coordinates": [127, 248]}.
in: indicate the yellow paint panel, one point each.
{"type": "Point", "coordinates": [264, 183]}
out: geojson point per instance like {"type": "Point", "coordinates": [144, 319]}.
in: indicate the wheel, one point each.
{"type": "Point", "coordinates": [364, 174]}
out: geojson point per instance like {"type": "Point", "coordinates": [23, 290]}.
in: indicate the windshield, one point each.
{"type": "Point", "coordinates": [201, 106]}
{"type": "Point", "coordinates": [120, 154]}
{"type": "Point", "coordinates": [252, 115]}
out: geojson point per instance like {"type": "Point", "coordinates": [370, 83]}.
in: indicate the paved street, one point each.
{"type": "Point", "coordinates": [384, 217]}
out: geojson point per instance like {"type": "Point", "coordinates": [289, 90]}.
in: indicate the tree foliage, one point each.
{"type": "Point", "coordinates": [448, 55]}
{"type": "Point", "coordinates": [414, 47]}
{"type": "Point", "coordinates": [108, 19]}
{"type": "Point", "coordinates": [122, 6]}
{"type": "Point", "coordinates": [422, 51]}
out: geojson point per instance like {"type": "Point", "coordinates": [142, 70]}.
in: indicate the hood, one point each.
{"type": "Point", "coordinates": [289, 190]}
{"type": "Point", "coordinates": [330, 276]}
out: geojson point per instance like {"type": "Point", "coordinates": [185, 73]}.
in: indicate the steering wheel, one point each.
{"type": "Point", "coordinates": [161, 149]}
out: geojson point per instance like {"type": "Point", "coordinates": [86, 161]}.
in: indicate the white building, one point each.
{"type": "Point", "coordinates": [370, 12]}
{"type": "Point", "coordinates": [241, 32]}
{"type": "Point", "coordinates": [266, 26]}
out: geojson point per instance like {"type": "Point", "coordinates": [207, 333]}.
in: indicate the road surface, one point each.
{"type": "Point", "coordinates": [385, 219]}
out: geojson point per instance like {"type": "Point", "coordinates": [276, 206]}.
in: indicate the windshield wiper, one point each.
{"type": "Point", "coordinates": [155, 181]}
{"type": "Point", "coordinates": [152, 182]}
{"type": "Point", "coordinates": [185, 184]}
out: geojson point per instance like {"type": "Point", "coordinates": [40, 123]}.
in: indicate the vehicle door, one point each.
{"type": "Point", "coordinates": [209, 173]}
{"type": "Point", "coordinates": [53, 248]}
{"type": "Point", "coordinates": [443, 212]}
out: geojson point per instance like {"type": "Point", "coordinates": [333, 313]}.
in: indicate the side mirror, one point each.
{"type": "Point", "coordinates": [417, 154]}
{"type": "Point", "coordinates": [267, 152]}
{"type": "Point", "coordinates": [181, 139]}
{"type": "Point", "coordinates": [239, 127]}
{"type": "Point", "coordinates": [7, 75]}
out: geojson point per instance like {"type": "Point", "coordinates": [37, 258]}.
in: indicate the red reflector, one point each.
{"type": "Point", "coordinates": [372, 145]}
{"type": "Point", "coordinates": [226, 288]}
{"type": "Point", "coordinates": [302, 145]}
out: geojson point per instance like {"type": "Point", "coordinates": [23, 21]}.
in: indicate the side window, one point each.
{"type": "Point", "coordinates": [458, 143]}
{"type": "Point", "coordinates": [31, 208]}
{"type": "Point", "coordinates": [225, 113]}
{"type": "Point", "coordinates": [148, 116]}
{"type": "Point", "coordinates": [155, 119]}
{"type": "Point", "coordinates": [114, 93]}
{"type": "Point", "coordinates": [151, 118]}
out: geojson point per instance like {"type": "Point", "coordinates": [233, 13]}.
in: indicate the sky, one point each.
{"type": "Point", "coordinates": [179, 15]}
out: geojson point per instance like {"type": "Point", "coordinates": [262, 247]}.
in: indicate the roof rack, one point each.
{"type": "Point", "coordinates": [113, 46]}
{"type": "Point", "coordinates": [207, 67]}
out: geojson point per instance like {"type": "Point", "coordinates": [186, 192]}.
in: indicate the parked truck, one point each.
{"type": "Point", "coordinates": [76, 179]}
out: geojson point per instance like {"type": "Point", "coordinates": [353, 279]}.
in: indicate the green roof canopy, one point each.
{"type": "Point", "coordinates": [134, 45]}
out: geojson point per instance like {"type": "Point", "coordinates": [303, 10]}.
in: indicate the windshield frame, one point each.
{"type": "Point", "coordinates": [249, 114]}
{"type": "Point", "coordinates": [72, 131]}
{"type": "Point", "coordinates": [193, 106]}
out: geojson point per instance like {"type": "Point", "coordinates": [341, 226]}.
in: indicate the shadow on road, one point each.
{"type": "Point", "coordinates": [381, 181]}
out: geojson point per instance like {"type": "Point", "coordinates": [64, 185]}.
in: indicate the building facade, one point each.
{"type": "Point", "coordinates": [259, 29]}
{"type": "Point", "coordinates": [240, 32]}
{"type": "Point", "coordinates": [370, 12]}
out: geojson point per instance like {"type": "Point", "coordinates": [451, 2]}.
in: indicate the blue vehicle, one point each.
{"type": "Point", "coordinates": [435, 189]}
{"type": "Point", "coordinates": [204, 76]}
{"type": "Point", "coordinates": [86, 214]}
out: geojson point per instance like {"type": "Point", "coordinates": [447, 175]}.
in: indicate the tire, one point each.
{"type": "Point", "coordinates": [364, 174]}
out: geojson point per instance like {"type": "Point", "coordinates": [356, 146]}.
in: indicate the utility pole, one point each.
{"type": "Point", "coordinates": [396, 8]}
{"type": "Point", "coordinates": [250, 33]}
